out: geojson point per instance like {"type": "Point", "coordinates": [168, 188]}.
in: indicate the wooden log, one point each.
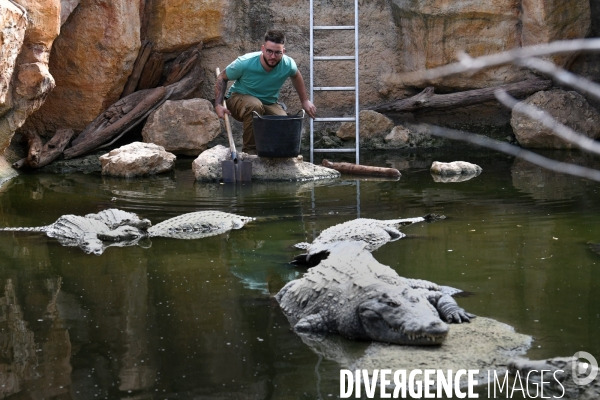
{"type": "Point", "coordinates": [34, 143]}
{"type": "Point", "coordinates": [152, 72]}
{"type": "Point", "coordinates": [151, 98]}
{"type": "Point", "coordinates": [138, 67]}
{"type": "Point", "coordinates": [354, 169]}
{"type": "Point", "coordinates": [49, 152]}
{"type": "Point", "coordinates": [428, 100]}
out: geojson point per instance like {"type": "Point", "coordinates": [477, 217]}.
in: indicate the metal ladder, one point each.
{"type": "Point", "coordinates": [354, 88]}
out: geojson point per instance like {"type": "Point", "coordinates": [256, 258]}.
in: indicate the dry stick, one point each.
{"type": "Point", "coordinates": [568, 134]}
{"type": "Point", "coordinates": [472, 65]}
{"type": "Point", "coordinates": [519, 152]}
{"type": "Point", "coordinates": [562, 76]}
{"type": "Point", "coordinates": [34, 142]}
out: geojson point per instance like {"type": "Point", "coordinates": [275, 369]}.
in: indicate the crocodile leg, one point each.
{"type": "Point", "coordinates": [311, 323]}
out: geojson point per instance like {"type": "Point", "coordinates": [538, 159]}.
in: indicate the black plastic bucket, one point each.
{"type": "Point", "coordinates": [277, 135]}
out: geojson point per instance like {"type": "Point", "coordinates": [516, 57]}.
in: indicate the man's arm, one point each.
{"type": "Point", "coordinates": [220, 89]}
{"type": "Point", "coordinates": [307, 105]}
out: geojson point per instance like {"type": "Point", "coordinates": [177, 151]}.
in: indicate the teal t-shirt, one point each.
{"type": "Point", "coordinates": [251, 78]}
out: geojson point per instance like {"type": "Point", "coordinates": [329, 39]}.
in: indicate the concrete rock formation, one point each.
{"type": "Point", "coordinates": [207, 167]}
{"type": "Point", "coordinates": [90, 75]}
{"type": "Point", "coordinates": [137, 159]}
{"type": "Point", "coordinates": [567, 107]}
{"type": "Point", "coordinates": [182, 126]}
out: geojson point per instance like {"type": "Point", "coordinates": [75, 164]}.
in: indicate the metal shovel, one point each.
{"type": "Point", "coordinates": [234, 170]}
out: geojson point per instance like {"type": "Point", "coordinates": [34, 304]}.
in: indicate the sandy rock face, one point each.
{"type": "Point", "coordinates": [137, 159]}
{"type": "Point", "coordinates": [567, 107]}
{"type": "Point", "coordinates": [91, 61]}
{"type": "Point", "coordinates": [177, 24]}
{"type": "Point", "coordinates": [183, 126]}
{"type": "Point", "coordinates": [13, 23]}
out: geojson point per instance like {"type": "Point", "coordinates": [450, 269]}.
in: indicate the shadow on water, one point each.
{"type": "Point", "coordinates": [196, 319]}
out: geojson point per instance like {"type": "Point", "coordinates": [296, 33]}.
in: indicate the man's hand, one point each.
{"type": "Point", "coordinates": [221, 111]}
{"type": "Point", "coordinates": [310, 108]}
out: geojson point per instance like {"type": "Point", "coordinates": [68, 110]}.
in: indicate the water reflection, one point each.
{"type": "Point", "coordinates": [194, 319]}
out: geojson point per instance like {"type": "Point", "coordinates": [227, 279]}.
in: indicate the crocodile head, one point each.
{"type": "Point", "coordinates": [402, 317]}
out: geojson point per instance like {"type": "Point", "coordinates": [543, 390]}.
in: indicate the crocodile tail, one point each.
{"type": "Point", "coordinates": [25, 229]}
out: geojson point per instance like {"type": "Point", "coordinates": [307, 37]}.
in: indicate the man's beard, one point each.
{"type": "Point", "coordinates": [267, 62]}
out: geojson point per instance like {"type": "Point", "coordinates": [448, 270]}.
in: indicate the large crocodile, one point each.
{"type": "Point", "coordinates": [351, 294]}
{"type": "Point", "coordinates": [373, 232]}
{"type": "Point", "coordinates": [93, 233]}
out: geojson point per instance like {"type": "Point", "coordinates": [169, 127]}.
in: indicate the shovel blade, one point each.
{"type": "Point", "coordinates": [228, 171]}
{"type": "Point", "coordinates": [244, 171]}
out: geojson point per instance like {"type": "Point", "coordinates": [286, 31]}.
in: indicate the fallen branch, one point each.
{"type": "Point", "coordinates": [427, 99]}
{"type": "Point", "coordinates": [138, 67]}
{"type": "Point", "coordinates": [152, 72]}
{"type": "Point", "coordinates": [354, 169]}
{"type": "Point", "coordinates": [49, 152]}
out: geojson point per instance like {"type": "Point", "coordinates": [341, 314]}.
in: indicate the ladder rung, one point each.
{"type": "Point", "coordinates": [340, 119]}
{"type": "Point", "coordinates": [334, 150]}
{"type": "Point", "coordinates": [333, 27]}
{"type": "Point", "coordinates": [333, 58]}
{"type": "Point", "coordinates": [334, 88]}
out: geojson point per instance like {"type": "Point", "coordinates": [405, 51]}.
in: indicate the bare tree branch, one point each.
{"type": "Point", "coordinates": [483, 141]}
{"type": "Point", "coordinates": [472, 65]}
{"type": "Point", "coordinates": [562, 76]}
{"type": "Point", "coordinates": [568, 134]}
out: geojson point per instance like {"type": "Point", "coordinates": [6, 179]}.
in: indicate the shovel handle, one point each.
{"type": "Point", "coordinates": [228, 127]}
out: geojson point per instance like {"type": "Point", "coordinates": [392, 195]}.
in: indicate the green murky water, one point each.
{"type": "Point", "coordinates": [195, 319]}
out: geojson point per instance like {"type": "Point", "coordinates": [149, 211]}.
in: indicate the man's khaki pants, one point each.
{"type": "Point", "coordinates": [242, 106]}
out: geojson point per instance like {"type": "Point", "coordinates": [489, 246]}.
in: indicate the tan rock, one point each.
{"type": "Point", "coordinates": [137, 159]}
{"type": "Point", "coordinates": [568, 108]}
{"type": "Point", "coordinates": [371, 124]}
{"type": "Point", "coordinates": [91, 61]}
{"type": "Point", "coordinates": [178, 24]}
{"type": "Point", "coordinates": [455, 168]}
{"type": "Point", "coordinates": [183, 126]}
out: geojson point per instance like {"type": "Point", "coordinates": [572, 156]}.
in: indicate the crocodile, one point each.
{"type": "Point", "coordinates": [93, 233]}
{"type": "Point", "coordinates": [351, 294]}
{"type": "Point", "coordinates": [373, 232]}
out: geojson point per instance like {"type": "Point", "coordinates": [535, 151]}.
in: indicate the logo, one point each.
{"type": "Point", "coordinates": [580, 368]}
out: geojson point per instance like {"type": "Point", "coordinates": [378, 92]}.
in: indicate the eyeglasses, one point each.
{"type": "Point", "coordinates": [276, 53]}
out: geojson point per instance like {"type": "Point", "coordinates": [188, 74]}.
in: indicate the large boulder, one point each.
{"type": "Point", "coordinates": [567, 107]}
{"type": "Point", "coordinates": [183, 126]}
{"type": "Point", "coordinates": [91, 61]}
{"type": "Point", "coordinates": [207, 167]}
{"type": "Point", "coordinates": [137, 159]}
{"type": "Point", "coordinates": [371, 123]}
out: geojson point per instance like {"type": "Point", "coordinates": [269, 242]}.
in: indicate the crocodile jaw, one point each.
{"type": "Point", "coordinates": [398, 325]}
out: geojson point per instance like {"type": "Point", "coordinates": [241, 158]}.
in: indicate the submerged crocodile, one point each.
{"type": "Point", "coordinates": [93, 233]}
{"type": "Point", "coordinates": [373, 232]}
{"type": "Point", "coordinates": [351, 294]}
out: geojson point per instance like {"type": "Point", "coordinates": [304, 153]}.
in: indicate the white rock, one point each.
{"type": "Point", "coordinates": [455, 168]}
{"type": "Point", "coordinates": [137, 159]}
{"type": "Point", "coordinates": [207, 167]}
